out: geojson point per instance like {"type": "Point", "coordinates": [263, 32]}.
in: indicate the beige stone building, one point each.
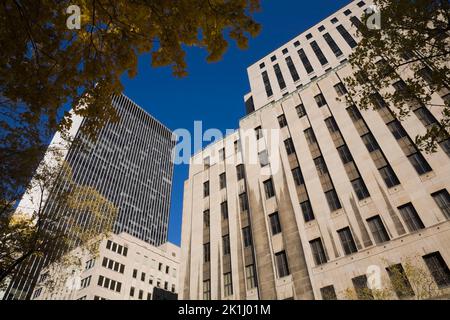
{"type": "Point", "coordinates": [310, 195]}
{"type": "Point", "coordinates": [125, 268]}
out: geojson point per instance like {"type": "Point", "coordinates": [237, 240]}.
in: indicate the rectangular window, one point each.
{"type": "Point", "coordinates": [318, 251]}
{"type": "Point", "coordinates": [289, 145]}
{"type": "Point", "coordinates": [206, 252]}
{"type": "Point", "coordinates": [389, 176]}
{"type": "Point", "coordinates": [310, 136]}
{"type": "Point", "coordinates": [243, 202]}
{"type": "Point", "coordinates": [347, 37]}
{"type": "Point", "coordinates": [222, 154]}
{"type": "Point", "coordinates": [400, 282]}
{"type": "Point", "coordinates": [275, 225]}
{"type": "Point", "coordinates": [268, 188]}
{"type": "Point", "coordinates": [347, 241]}
{"type": "Point", "coordinates": [247, 235]}
{"type": "Point", "coordinates": [362, 290]}
{"type": "Point", "coordinates": [378, 230]}
{"type": "Point", "coordinates": [442, 199]}
{"type": "Point", "coordinates": [279, 75]}
{"type": "Point", "coordinates": [298, 177]}
{"type": "Point", "coordinates": [267, 85]}
{"type": "Point", "coordinates": [360, 188]}
{"type": "Point", "coordinates": [320, 100]}
{"type": "Point", "coordinates": [438, 269]}
{"type": "Point", "coordinates": [305, 61]}
{"type": "Point", "coordinates": [282, 264]}
{"type": "Point", "coordinates": [206, 189]}
{"type": "Point", "coordinates": [318, 52]}
{"type": "Point", "coordinates": [345, 154]}
{"type": "Point", "coordinates": [340, 89]}
{"type": "Point", "coordinates": [87, 281]}
{"type": "Point", "coordinates": [321, 167]}
{"type": "Point", "coordinates": [419, 163]}
{"type": "Point", "coordinates": [292, 69]}
{"type": "Point", "coordinates": [132, 291]}
{"type": "Point", "coordinates": [223, 180]}
{"type": "Point", "coordinates": [206, 219]}
{"type": "Point", "coordinates": [141, 294]}
{"type": "Point", "coordinates": [224, 210]}
{"type": "Point", "coordinates": [328, 293]}
{"type": "Point", "coordinates": [240, 172]}
{"type": "Point", "coordinates": [425, 116]}
{"type": "Point", "coordinates": [333, 200]}
{"type": "Point", "coordinates": [207, 162]}
{"type": "Point", "coordinates": [226, 244]}
{"type": "Point", "coordinates": [282, 121]}
{"type": "Point", "coordinates": [227, 284]}
{"type": "Point", "coordinates": [135, 272]}
{"type": "Point", "coordinates": [370, 142]}
{"type": "Point", "coordinates": [332, 44]}
{"type": "Point", "coordinates": [250, 277]}
{"type": "Point", "coordinates": [207, 290]}
{"type": "Point", "coordinates": [258, 132]}
{"type": "Point", "coordinates": [357, 23]}
{"type": "Point", "coordinates": [237, 146]}
{"type": "Point", "coordinates": [410, 217]}
{"type": "Point", "coordinates": [301, 112]}
{"type": "Point", "coordinates": [307, 210]}
{"type": "Point", "coordinates": [263, 158]}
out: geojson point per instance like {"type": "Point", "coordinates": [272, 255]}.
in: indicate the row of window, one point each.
{"type": "Point", "coordinates": [109, 284]}
{"type": "Point", "coordinates": [434, 262]}
{"type": "Point", "coordinates": [305, 60]}
{"type": "Point", "coordinates": [113, 265]}
{"type": "Point", "coordinates": [240, 173]}
{"type": "Point", "coordinates": [117, 248]}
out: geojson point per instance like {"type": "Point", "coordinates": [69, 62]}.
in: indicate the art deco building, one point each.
{"type": "Point", "coordinates": [130, 163]}
{"type": "Point", "coordinates": [126, 268]}
{"type": "Point", "coordinates": [310, 193]}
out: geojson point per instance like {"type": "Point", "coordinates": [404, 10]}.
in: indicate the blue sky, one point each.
{"type": "Point", "coordinates": [213, 92]}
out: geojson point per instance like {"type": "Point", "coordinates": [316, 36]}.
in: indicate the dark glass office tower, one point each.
{"type": "Point", "coordinates": [130, 163]}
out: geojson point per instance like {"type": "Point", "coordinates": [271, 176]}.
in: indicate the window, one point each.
{"type": "Point", "coordinates": [224, 210]}
{"type": "Point", "coordinates": [273, 58]}
{"type": "Point", "coordinates": [160, 265]}
{"type": "Point", "coordinates": [354, 113]}
{"type": "Point", "coordinates": [37, 293]}
{"type": "Point", "coordinates": [289, 145]}
{"type": "Point", "coordinates": [282, 264]}
{"type": "Point", "coordinates": [240, 172]}
{"type": "Point", "coordinates": [237, 146]}
{"type": "Point", "coordinates": [207, 290]}
{"type": "Point", "coordinates": [298, 177]}
{"type": "Point", "coordinates": [226, 244]}
{"type": "Point", "coordinates": [206, 218]}
{"type": "Point", "coordinates": [108, 244]}
{"type": "Point", "coordinates": [296, 43]}
{"type": "Point", "coordinates": [334, 20]}
{"type": "Point", "coordinates": [250, 277]}
{"type": "Point", "coordinates": [86, 282]}
{"type": "Point", "coordinates": [292, 69]}
{"type": "Point", "coordinates": [301, 112]}
{"type": "Point", "coordinates": [360, 188]}
{"type": "Point", "coordinates": [275, 225]}
{"type": "Point", "coordinates": [243, 203]}
{"type": "Point", "coordinates": [135, 272]}
{"type": "Point", "coordinates": [310, 137]}
{"type": "Point", "coordinates": [347, 12]}
{"type": "Point", "coordinates": [222, 180]}
{"type": "Point", "coordinates": [397, 129]}
{"type": "Point", "coordinates": [206, 189]}
{"type": "Point", "coordinates": [399, 280]}
{"type": "Point", "coordinates": [361, 4]}
{"type": "Point", "coordinates": [143, 276]}
{"type": "Point", "coordinates": [318, 52]}
{"type": "Point", "coordinates": [258, 132]}
{"type": "Point", "coordinates": [173, 288]}
{"type": "Point", "coordinates": [166, 285]}
{"type": "Point", "coordinates": [362, 290]}
{"type": "Point", "coordinates": [285, 51]}
{"type": "Point", "coordinates": [221, 154]}
{"type": "Point", "coordinates": [262, 65]}
{"type": "Point", "coordinates": [267, 85]}
{"type": "Point", "coordinates": [332, 44]}
{"type": "Point", "coordinates": [378, 230]}
{"type": "Point", "coordinates": [321, 28]}
{"type": "Point", "coordinates": [357, 23]}
{"type": "Point", "coordinates": [340, 89]}
{"type": "Point", "coordinates": [268, 188]}
{"type": "Point", "coordinates": [320, 100]}
{"type": "Point", "coordinates": [328, 293]}
{"type": "Point", "coordinates": [411, 218]}
{"type": "Point", "coordinates": [321, 167]}
{"type": "Point", "coordinates": [332, 125]}
{"type": "Point", "coordinates": [333, 200]}
{"type": "Point", "coordinates": [442, 199]}
{"type": "Point", "coordinates": [279, 75]}
{"type": "Point", "coordinates": [345, 154]}
{"type": "Point", "coordinates": [308, 36]}
{"type": "Point", "coordinates": [347, 37]}
{"type": "Point", "coordinates": [425, 116]}
{"type": "Point", "coordinates": [419, 163]}
{"type": "Point", "coordinates": [132, 291]}
{"type": "Point", "coordinates": [141, 294]}
{"type": "Point", "coordinates": [307, 210]}
{"type": "Point", "coordinates": [438, 269]}
{"type": "Point", "coordinates": [389, 176]}
{"type": "Point", "coordinates": [149, 296]}
{"type": "Point", "coordinates": [89, 264]}
{"type": "Point", "coordinates": [227, 284]}
{"type": "Point", "coordinates": [318, 252]}
{"type": "Point", "coordinates": [207, 162]}
{"type": "Point", "coordinates": [247, 235]}
{"type": "Point", "coordinates": [282, 121]}
{"type": "Point", "coordinates": [347, 241]}
{"type": "Point", "coordinates": [305, 61]}
{"type": "Point", "coordinates": [370, 142]}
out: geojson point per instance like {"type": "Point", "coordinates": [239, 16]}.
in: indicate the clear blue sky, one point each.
{"type": "Point", "coordinates": [213, 93]}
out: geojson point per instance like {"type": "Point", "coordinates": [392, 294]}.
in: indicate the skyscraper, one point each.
{"type": "Point", "coordinates": [311, 196]}
{"type": "Point", "coordinates": [130, 163]}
